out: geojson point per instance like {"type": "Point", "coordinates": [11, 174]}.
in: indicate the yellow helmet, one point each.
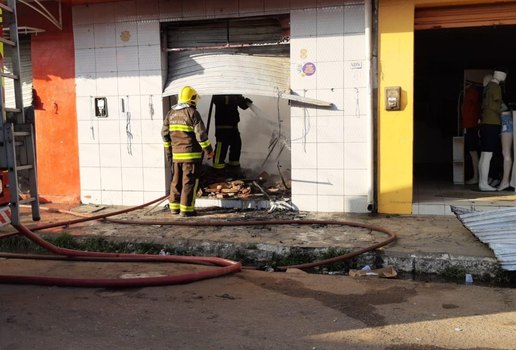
{"type": "Point", "coordinates": [188, 95]}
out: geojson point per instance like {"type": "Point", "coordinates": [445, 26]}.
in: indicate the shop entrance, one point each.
{"type": "Point", "coordinates": [227, 58]}
{"type": "Point", "coordinates": [444, 59]}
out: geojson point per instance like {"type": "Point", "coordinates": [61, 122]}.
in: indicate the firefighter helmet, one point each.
{"type": "Point", "coordinates": [188, 95]}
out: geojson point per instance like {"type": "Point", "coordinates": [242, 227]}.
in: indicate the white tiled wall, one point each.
{"type": "Point", "coordinates": [118, 56]}
{"type": "Point", "coordinates": [331, 148]}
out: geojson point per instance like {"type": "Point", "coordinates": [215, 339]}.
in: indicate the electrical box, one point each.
{"type": "Point", "coordinates": [393, 98]}
{"type": "Point", "coordinates": [101, 110]}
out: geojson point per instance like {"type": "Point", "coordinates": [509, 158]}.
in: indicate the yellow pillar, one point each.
{"type": "Point", "coordinates": [395, 128]}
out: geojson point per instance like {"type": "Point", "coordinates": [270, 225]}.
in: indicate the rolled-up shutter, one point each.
{"type": "Point", "coordinates": [465, 16]}
{"type": "Point", "coordinates": [26, 73]}
{"type": "Point", "coordinates": [238, 56]}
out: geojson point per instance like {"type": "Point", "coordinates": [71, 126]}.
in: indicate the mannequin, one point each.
{"type": "Point", "coordinates": [490, 125]}
{"type": "Point", "coordinates": [506, 136]}
{"type": "Point", "coordinates": [471, 113]}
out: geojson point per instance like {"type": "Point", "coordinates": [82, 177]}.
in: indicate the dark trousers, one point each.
{"type": "Point", "coordinates": [183, 188]}
{"type": "Point", "coordinates": [227, 140]}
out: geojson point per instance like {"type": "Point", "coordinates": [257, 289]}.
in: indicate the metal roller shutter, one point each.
{"type": "Point", "coordinates": [26, 73]}
{"type": "Point", "coordinates": [465, 16]}
{"type": "Point", "coordinates": [236, 56]}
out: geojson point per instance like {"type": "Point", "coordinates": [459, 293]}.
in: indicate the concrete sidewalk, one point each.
{"type": "Point", "coordinates": [435, 245]}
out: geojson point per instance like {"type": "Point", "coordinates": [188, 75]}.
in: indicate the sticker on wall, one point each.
{"type": "Point", "coordinates": [125, 36]}
{"type": "Point", "coordinates": [306, 69]}
{"type": "Point", "coordinates": [356, 68]}
{"type": "Point", "coordinates": [356, 65]}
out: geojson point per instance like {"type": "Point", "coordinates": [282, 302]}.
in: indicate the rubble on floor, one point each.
{"type": "Point", "coordinates": [238, 185]}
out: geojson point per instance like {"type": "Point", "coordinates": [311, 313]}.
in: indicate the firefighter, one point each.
{"type": "Point", "coordinates": [185, 139]}
{"type": "Point", "coordinates": [226, 129]}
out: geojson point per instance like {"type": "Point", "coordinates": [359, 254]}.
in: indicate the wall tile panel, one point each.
{"type": "Point", "coordinates": [104, 35]}
{"type": "Point", "coordinates": [126, 34]}
{"type": "Point", "coordinates": [330, 204]}
{"type": "Point", "coordinates": [330, 155]}
{"type": "Point", "coordinates": [83, 36]}
{"type": "Point", "coordinates": [105, 60]}
{"type": "Point", "coordinates": [89, 155]}
{"type": "Point", "coordinates": [85, 61]}
{"type": "Point", "coordinates": [110, 156]}
{"type": "Point", "coordinates": [127, 59]}
{"type": "Point", "coordinates": [106, 85]}
{"type": "Point", "coordinates": [330, 182]}
{"type": "Point", "coordinates": [304, 202]}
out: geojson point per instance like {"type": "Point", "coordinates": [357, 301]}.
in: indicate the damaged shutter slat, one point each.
{"type": "Point", "coordinates": [239, 56]}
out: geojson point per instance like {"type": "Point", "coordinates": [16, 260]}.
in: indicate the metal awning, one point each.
{"type": "Point", "coordinates": [46, 9]}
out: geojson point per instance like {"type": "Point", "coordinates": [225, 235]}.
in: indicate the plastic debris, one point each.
{"type": "Point", "coordinates": [384, 272]}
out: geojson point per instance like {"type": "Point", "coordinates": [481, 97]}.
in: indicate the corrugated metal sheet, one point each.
{"type": "Point", "coordinates": [496, 228]}
{"type": "Point", "coordinates": [229, 74]}
{"type": "Point", "coordinates": [236, 56]}
{"type": "Point", "coordinates": [26, 73]}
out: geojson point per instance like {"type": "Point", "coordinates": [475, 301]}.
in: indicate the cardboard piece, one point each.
{"type": "Point", "coordinates": [384, 272]}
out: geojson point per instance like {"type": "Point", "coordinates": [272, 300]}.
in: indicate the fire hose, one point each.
{"type": "Point", "coordinates": [224, 266]}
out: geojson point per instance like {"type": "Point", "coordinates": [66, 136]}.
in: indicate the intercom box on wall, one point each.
{"type": "Point", "coordinates": [393, 98]}
{"type": "Point", "coordinates": [101, 110]}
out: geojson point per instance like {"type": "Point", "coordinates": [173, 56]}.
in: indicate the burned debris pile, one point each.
{"type": "Point", "coordinates": [243, 187]}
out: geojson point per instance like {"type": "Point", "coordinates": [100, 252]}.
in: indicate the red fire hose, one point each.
{"type": "Point", "coordinates": [392, 235]}
{"type": "Point", "coordinates": [225, 266]}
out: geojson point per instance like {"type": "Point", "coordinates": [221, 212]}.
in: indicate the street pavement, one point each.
{"type": "Point", "coordinates": [433, 245]}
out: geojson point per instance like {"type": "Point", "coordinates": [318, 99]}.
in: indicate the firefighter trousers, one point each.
{"type": "Point", "coordinates": [227, 140]}
{"type": "Point", "coordinates": [183, 188]}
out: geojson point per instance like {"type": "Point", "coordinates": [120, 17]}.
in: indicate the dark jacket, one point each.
{"type": "Point", "coordinates": [226, 109]}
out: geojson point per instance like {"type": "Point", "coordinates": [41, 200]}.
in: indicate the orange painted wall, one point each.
{"type": "Point", "coordinates": [53, 67]}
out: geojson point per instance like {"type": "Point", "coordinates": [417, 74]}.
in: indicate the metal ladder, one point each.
{"type": "Point", "coordinates": [17, 135]}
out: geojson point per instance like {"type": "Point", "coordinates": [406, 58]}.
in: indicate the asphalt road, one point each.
{"type": "Point", "coordinates": [251, 310]}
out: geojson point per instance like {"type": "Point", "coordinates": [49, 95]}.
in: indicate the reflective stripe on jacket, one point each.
{"type": "Point", "coordinates": [184, 134]}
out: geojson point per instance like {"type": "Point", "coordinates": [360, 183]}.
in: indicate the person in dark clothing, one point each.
{"type": "Point", "coordinates": [226, 129]}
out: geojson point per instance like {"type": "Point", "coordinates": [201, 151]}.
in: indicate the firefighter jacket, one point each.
{"type": "Point", "coordinates": [226, 110]}
{"type": "Point", "coordinates": [184, 134]}
{"type": "Point", "coordinates": [492, 104]}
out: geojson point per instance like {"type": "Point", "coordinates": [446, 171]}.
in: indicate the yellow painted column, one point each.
{"type": "Point", "coordinates": [395, 128]}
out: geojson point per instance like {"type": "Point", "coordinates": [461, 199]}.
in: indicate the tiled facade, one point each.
{"type": "Point", "coordinates": [117, 50]}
